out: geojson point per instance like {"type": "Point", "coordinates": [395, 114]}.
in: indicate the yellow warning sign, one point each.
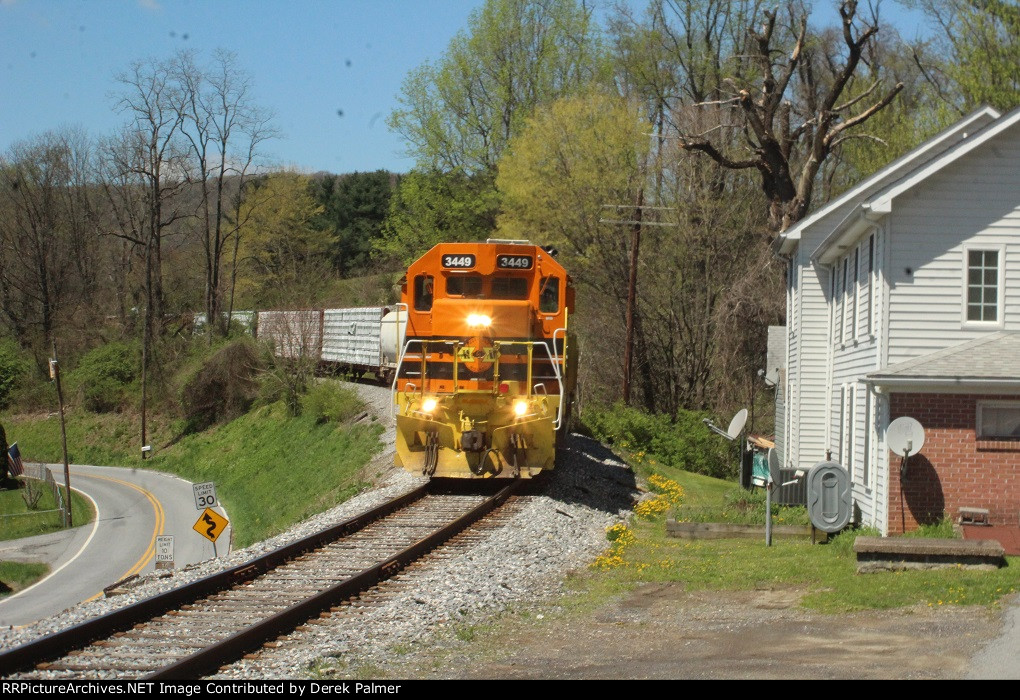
{"type": "Point", "coordinates": [210, 524]}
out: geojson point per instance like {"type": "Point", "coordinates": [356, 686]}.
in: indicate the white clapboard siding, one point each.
{"type": "Point", "coordinates": [809, 433]}
{"type": "Point", "coordinates": [352, 336]}
{"type": "Point", "coordinates": [294, 334]}
{"type": "Point", "coordinates": [975, 203]}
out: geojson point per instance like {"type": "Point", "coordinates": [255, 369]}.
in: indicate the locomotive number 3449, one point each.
{"type": "Point", "coordinates": [514, 262]}
{"type": "Point", "coordinates": [458, 261]}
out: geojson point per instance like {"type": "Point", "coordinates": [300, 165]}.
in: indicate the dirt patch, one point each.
{"type": "Point", "coordinates": [663, 631]}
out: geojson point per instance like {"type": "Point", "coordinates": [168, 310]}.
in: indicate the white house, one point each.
{"type": "Point", "coordinates": [903, 298]}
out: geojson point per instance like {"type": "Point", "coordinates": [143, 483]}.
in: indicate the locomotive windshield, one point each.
{"type": "Point", "coordinates": [464, 286]}
{"type": "Point", "coordinates": [509, 288]}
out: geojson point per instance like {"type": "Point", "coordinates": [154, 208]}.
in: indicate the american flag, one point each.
{"type": "Point", "coordinates": [14, 460]}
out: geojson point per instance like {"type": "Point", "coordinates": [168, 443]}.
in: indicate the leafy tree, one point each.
{"type": "Point", "coordinates": [706, 286]}
{"type": "Point", "coordinates": [281, 249]}
{"type": "Point", "coordinates": [977, 59]}
{"type": "Point", "coordinates": [354, 210]}
{"type": "Point", "coordinates": [459, 113]}
{"type": "Point", "coordinates": [435, 207]}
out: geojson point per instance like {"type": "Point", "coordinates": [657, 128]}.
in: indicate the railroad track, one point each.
{"type": "Point", "coordinates": [194, 630]}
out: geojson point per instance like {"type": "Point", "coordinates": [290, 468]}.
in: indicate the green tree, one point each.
{"type": "Point", "coordinates": [459, 113]}
{"type": "Point", "coordinates": [282, 251]}
{"type": "Point", "coordinates": [354, 210]}
{"type": "Point", "coordinates": [976, 61]}
{"type": "Point", "coordinates": [433, 207]}
{"type": "Point", "coordinates": [575, 156]}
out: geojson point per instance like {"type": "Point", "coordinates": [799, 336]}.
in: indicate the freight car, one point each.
{"type": "Point", "coordinates": [351, 341]}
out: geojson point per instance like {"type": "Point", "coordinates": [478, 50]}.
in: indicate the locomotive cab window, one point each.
{"type": "Point", "coordinates": [464, 286]}
{"type": "Point", "coordinates": [423, 285]}
{"type": "Point", "coordinates": [509, 288]}
{"type": "Point", "coordinates": [549, 296]}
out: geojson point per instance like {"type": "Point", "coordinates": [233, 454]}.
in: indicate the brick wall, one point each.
{"type": "Point", "coordinates": [955, 468]}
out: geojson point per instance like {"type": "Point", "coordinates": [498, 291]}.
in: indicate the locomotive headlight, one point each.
{"type": "Point", "coordinates": [428, 405]}
{"type": "Point", "coordinates": [478, 321]}
{"type": "Point", "coordinates": [520, 408]}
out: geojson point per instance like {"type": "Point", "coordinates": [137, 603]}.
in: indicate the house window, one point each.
{"type": "Point", "coordinates": [846, 329]}
{"type": "Point", "coordinates": [850, 429]}
{"type": "Point", "coordinates": [855, 291]}
{"type": "Point", "coordinates": [998, 419]}
{"type": "Point", "coordinates": [871, 274]}
{"type": "Point", "coordinates": [983, 285]}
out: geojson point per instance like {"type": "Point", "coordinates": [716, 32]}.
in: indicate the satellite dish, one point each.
{"type": "Point", "coordinates": [737, 424]}
{"type": "Point", "coordinates": [774, 466]}
{"type": "Point", "coordinates": [905, 436]}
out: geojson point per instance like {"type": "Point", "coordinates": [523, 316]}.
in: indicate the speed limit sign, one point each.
{"type": "Point", "coordinates": [205, 495]}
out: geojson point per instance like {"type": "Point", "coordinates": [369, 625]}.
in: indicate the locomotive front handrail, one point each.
{"type": "Point", "coordinates": [527, 343]}
{"type": "Point", "coordinates": [556, 371]}
{"type": "Point", "coordinates": [400, 362]}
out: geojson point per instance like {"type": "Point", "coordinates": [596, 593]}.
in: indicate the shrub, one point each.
{"type": "Point", "coordinates": [104, 374]}
{"type": "Point", "coordinates": [13, 369]}
{"type": "Point", "coordinates": [329, 401]}
{"type": "Point", "coordinates": [224, 387]}
{"type": "Point", "coordinates": [683, 442]}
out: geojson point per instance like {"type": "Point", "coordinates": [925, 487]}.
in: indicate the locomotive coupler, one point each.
{"type": "Point", "coordinates": [472, 441]}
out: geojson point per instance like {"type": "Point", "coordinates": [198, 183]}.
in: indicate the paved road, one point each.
{"type": "Point", "coordinates": [1000, 658]}
{"type": "Point", "coordinates": [134, 506]}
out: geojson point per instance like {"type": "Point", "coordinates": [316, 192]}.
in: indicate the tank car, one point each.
{"type": "Point", "coordinates": [486, 373]}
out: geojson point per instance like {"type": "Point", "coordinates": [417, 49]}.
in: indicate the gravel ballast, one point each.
{"type": "Point", "coordinates": [528, 556]}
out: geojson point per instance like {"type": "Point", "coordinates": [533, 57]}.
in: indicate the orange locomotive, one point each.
{"type": "Point", "coordinates": [487, 371]}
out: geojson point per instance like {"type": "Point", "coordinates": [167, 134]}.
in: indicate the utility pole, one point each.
{"type": "Point", "coordinates": [55, 374]}
{"type": "Point", "coordinates": [635, 244]}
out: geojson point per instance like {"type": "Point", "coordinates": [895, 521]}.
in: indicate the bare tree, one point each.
{"type": "Point", "coordinates": [47, 233]}
{"type": "Point", "coordinates": [790, 113]}
{"type": "Point", "coordinates": [223, 129]}
{"type": "Point", "coordinates": [150, 154]}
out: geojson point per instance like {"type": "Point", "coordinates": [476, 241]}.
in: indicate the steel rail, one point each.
{"type": "Point", "coordinates": [233, 647]}
{"type": "Point", "coordinates": [81, 635]}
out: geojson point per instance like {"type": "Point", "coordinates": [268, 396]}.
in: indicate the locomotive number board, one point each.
{"type": "Point", "coordinates": [459, 261]}
{"type": "Point", "coordinates": [514, 262]}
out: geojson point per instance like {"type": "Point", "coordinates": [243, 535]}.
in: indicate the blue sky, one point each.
{"type": "Point", "coordinates": [329, 69]}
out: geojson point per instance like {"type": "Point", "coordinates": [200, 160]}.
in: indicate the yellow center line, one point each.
{"type": "Point", "coordinates": [157, 529]}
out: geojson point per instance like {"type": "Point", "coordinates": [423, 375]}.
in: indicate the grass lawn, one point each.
{"type": "Point", "coordinates": [271, 470]}
{"type": "Point", "coordinates": [16, 576]}
{"type": "Point", "coordinates": [111, 439]}
{"type": "Point", "coordinates": [827, 573]}
{"type": "Point", "coordinates": [23, 522]}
